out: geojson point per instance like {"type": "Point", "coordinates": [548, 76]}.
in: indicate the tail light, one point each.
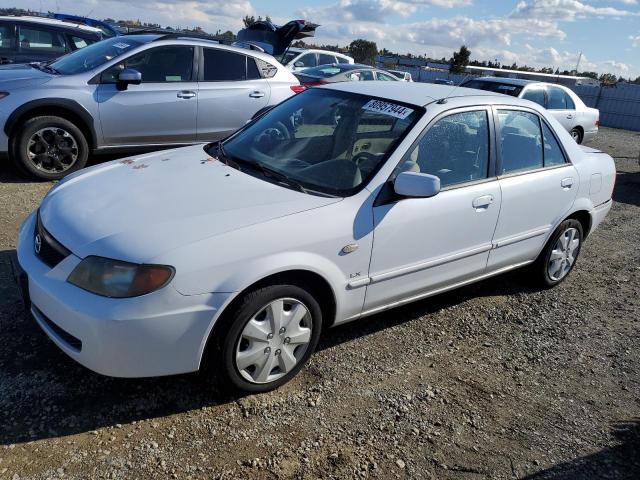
{"type": "Point", "coordinates": [598, 123]}
{"type": "Point", "coordinates": [298, 88]}
{"type": "Point", "coordinates": [313, 84]}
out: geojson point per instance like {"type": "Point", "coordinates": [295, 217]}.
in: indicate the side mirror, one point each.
{"type": "Point", "coordinates": [298, 64]}
{"type": "Point", "coordinates": [414, 184]}
{"type": "Point", "coordinates": [127, 77]}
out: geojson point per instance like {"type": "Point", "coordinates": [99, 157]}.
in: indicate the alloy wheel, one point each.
{"type": "Point", "coordinates": [273, 341]}
{"type": "Point", "coordinates": [563, 255]}
{"type": "Point", "coordinates": [52, 149]}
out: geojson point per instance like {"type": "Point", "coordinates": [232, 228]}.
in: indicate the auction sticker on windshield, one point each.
{"type": "Point", "coordinates": [387, 108]}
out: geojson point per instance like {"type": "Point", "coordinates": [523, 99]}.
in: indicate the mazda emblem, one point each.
{"type": "Point", "coordinates": [37, 243]}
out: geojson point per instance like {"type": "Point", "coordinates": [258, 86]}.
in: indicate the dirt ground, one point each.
{"type": "Point", "coordinates": [495, 380]}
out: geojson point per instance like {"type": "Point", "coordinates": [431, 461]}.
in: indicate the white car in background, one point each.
{"type": "Point", "coordinates": [578, 119]}
{"type": "Point", "coordinates": [296, 59]}
{"type": "Point", "coordinates": [343, 201]}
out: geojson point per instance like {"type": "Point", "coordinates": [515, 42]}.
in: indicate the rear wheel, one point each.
{"type": "Point", "coordinates": [49, 148]}
{"type": "Point", "coordinates": [269, 337]}
{"type": "Point", "coordinates": [576, 134]}
{"type": "Point", "coordinates": [560, 254]}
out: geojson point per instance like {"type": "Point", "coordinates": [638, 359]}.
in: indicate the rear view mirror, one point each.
{"type": "Point", "coordinates": [414, 184]}
{"type": "Point", "coordinates": [298, 64]}
{"type": "Point", "coordinates": [127, 77]}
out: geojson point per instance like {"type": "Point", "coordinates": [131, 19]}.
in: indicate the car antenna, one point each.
{"type": "Point", "coordinates": [443, 100]}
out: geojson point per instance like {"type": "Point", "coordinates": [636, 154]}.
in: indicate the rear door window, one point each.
{"type": "Point", "coordinates": [552, 152]}
{"type": "Point", "coordinates": [40, 40]}
{"type": "Point", "coordinates": [225, 66]}
{"type": "Point", "coordinates": [385, 77]}
{"type": "Point", "coordinates": [520, 141]}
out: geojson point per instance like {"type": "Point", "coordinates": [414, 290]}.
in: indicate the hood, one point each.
{"type": "Point", "coordinates": [21, 76]}
{"type": "Point", "coordinates": [273, 39]}
{"type": "Point", "coordinates": [136, 209]}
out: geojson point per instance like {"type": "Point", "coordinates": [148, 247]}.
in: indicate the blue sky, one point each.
{"type": "Point", "coordinates": [535, 32]}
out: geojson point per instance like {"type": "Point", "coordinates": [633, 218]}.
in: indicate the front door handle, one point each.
{"type": "Point", "coordinates": [566, 183]}
{"type": "Point", "coordinates": [256, 94]}
{"type": "Point", "coordinates": [483, 202]}
{"type": "Point", "coordinates": [186, 94]}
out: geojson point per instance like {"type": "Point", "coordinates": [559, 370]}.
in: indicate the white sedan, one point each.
{"type": "Point", "coordinates": [568, 108]}
{"type": "Point", "coordinates": [341, 202]}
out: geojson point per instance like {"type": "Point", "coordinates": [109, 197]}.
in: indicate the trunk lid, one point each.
{"type": "Point", "coordinates": [273, 39]}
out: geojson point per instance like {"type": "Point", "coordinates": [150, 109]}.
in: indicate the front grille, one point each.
{"type": "Point", "coordinates": [47, 248]}
{"type": "Point", "coordinates": [63, 335]}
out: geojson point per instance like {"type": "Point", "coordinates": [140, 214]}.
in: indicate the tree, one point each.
{"type": "Point", "coordinates": [460, 60]}
{"type": "Point", "coordinates": [250, 20]}
{"type": "Point", "coordinates": [608, 79]}
{"type": "Point", "coordinates": [363, 51]}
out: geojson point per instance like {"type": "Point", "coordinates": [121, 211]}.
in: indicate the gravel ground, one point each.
{"type": "Point", "coordinates": [495, 380]}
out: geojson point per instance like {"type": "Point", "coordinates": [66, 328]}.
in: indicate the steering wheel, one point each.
{"type": "Point", "coordinates": [274, 135]}
{"type": "Point", "coordinates": [366, 161]}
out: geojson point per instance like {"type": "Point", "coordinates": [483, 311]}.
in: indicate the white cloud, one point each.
{"type": "Point", "coordinates": [566, 10]}
{"type": "Point", "coordinates": [617, 67]}
{"type": "Point", "coordinates": [375, 10]}
{"type": "Point", "coordinates": [635, 41]}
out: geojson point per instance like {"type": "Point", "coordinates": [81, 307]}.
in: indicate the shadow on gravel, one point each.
{"type": "Point", "coordinates": [45, 394]}
{"type": "Point", "coordinates": [619, 462]}
{"type": "Point", "coordinates": [627, 189]}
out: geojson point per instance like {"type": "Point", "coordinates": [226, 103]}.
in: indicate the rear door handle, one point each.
{"type": "Point", "coordinates": [256, 94]}
{"type": "Point", "coordinates": [186, 94]}
{"type": "Point", "coordinates": [566, 182]}
{"type": "Point", "coordinates": [569, 116]}
{"type": "Point", "coordinates": [483, 202]}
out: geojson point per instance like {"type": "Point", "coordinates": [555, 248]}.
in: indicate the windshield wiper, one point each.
{"type": "Point", "coordinates": [44, 67]}
{"type": "Point", "coordinates": [281, 177]}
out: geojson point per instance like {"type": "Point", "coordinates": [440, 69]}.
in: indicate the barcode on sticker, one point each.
{"type": "Point", "coordinates": [387, 108]}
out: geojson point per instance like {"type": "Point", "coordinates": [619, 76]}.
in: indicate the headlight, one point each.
{"type": "Point", "coordinates": [116, 279]}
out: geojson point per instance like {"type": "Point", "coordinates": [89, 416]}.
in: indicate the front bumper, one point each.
{"type": "Point", "coordinates": [162, 333]}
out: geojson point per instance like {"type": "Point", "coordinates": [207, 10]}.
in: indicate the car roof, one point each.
{"type": "Point", "coordinates": [173, 39]}
{"type": "Point", "coordinates": [421, 94]}
{"type": "Point", "coordinates": [507, 81]}
{"type": "Point", "coordinates": [54, 22]}
{"type": "Point", "coordinates": [300, 50]}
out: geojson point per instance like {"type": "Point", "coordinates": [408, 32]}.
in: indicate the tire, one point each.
{"type": "Point", "coordinates": [48, 148]}
{"type": "Point", "coordinates": [243, 361]}
{"type": "Point", "coordinates": [576, 133]}
{"type": "Point", "coordinates": [547, 275]}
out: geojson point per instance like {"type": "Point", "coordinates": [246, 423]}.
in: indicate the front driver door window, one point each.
{"type": "Point", "coordinates": [557, 104]}
{"type": "Point", "coordinates": [423, 243]}
{"type": "Point", "coordinates": [162, 109]}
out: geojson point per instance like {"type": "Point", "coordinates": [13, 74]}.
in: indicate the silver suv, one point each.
{"type": "Point", "coordinates": [132, 91]}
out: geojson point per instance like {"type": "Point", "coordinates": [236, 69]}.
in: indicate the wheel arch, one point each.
{"type": "Point", "coordinates": [59, 107]}
{"type": "Point", "coordinates": [584, 217]}
{"type": "Point", "coordinates": [313, 282]}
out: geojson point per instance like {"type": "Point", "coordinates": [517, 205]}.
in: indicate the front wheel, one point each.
{"type": "Point", "coordinates": [560, 254]}
{"type": "Point", "coordinates": [269, 337]}
{"type": "Point", "coordinates": [49, 147]}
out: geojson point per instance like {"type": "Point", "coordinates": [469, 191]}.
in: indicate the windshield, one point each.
{"type": "Point", "coordinates": [497, 87]}
{"type": "Point", "coordinates": [323, 140]}
{"type": "Point", "coordinates": [94, 55]}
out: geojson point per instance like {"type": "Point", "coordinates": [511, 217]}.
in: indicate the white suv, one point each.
{"type": "Point", "coordinates": [296, 59]}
